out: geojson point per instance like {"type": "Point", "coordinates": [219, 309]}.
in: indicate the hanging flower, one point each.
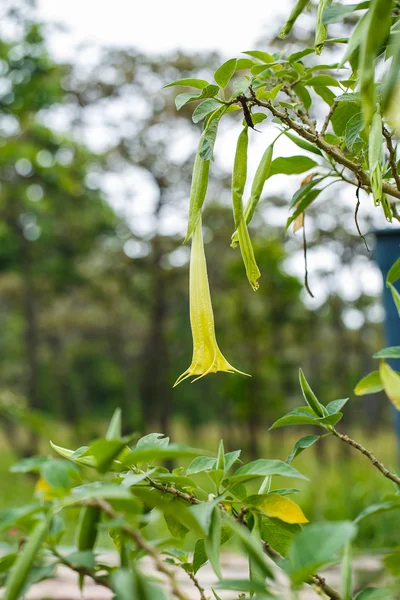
{"type": "Point", "coordinates": [207, 357]}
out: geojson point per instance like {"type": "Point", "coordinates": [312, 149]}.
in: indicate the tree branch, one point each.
{"type": "Point", "coordinates": [380, 466]}
{"type": "Point", "coordinates": [323, 145]}
{"type": "Point", "coordinates": [144, 545]}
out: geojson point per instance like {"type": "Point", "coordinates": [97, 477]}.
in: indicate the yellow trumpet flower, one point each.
{"type": "Point", "coordinates": [207, 357]}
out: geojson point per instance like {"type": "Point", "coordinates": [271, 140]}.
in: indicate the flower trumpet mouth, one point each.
{"type": "Point", "coordinates": [207, 357]}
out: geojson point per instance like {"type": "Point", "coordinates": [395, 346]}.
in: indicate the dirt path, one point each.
{"type": "Point", "coordinates": [65, 587]}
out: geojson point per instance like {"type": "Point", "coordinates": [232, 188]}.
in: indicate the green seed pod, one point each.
{"type": "Point", "coordinates": [238, 183]}
{"type": "Point", "coordinates": [320, 27]}
{"type": "Point", "coordinates": [89, 518]}
{"type": "Point", "coordinates": [375, 142]}
{"type": "Point", "coordinates": [256, 189]}
{"type": "Point", "coordinates": [296, 11]}
{"type": "Point", "coordinates": [377, 30]}
{"type": "Point", "coordinates": [310, 397]}
{"type": "Point", "coordinates": [20, 571]}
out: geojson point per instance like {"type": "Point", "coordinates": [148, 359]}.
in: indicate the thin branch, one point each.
{"type": "Point", "coordinates": [197, 585]}
{"type": "Point", "coordinates": [81, 570]}
{"type": "Point", "coordinates": [314, 580]}
{"type": "Point", "coordinates": [145, 546]}
{"type": "Point", "coordinates": [380, 466]}
{"type": "Point", "coordinates": [329, 149]}
{"type": "Point", "coordinates": [328, 117]}
{"type": "Point", "coordinates": [392, 156]}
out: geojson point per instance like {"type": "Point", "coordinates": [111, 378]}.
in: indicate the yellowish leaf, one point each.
{"type": "Point", "coordinates": [278, 507]}
{"type": "Point", "coordinates": [391, 383]}
{"type": "Point", "coordinates": [298, 222]}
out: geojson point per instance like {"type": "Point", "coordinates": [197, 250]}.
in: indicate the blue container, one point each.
{"type": "Point", "coordinates": [387, 251]}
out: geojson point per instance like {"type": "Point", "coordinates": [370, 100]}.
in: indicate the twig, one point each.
{"type": "Point", "coordinates": [317, 580]}
{"type": "Point", "coordinates": [306, 285]}
{"type": "Point", "coordinates": [143, 545]}
{"type": "Point", "coordinates": [356, 215]}
{"type": "Point", "coordinates": [81, 570]}
{"type": "Point", "coordinates": [380, 466]}
{"type": "Point", "coordinates": [329, 149]}
{"type": "Point", "coordinates": [197, 585]}
{"type": "Point", "coordinates": [167, 489]}
{"type": "Point", "coordinates": [392, 157]}
{"type": "Point", "coordinates": [328, 117]}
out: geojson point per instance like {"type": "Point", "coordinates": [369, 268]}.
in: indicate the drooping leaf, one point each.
{"type": "Point", "coordinates": [370, 384]}
{"type": "Point", "coordinates": [302, 444]}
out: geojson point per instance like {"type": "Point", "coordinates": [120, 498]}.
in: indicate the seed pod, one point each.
{"type": "Point", "coordinates": [377, 30]}
{"type": "Point", "coordinates": [238, 183]}
{"type": "Point", "coordinates": [320, 27]}
{"type": "Point", "coordinates": [296, 11]}
{"type": "Point", "coordinates": [89, 518]}
{"type": "Point", "coordinates": [20, 571]}
{"type": "Point", "coordinates": [375, 142]}
{"type": "Point", "coordinates": [256, 189]}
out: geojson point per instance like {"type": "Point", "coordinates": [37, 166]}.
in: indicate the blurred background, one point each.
{"type": "Point", "coordinates": [95, 167]}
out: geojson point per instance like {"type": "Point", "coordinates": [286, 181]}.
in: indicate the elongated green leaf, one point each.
{"type": "Point", "coordinates": [396, 297]}
{"type": "Point", "coordinates": [336, 12]}
{"type": "Point", "coordinates": [323, 80]}
{"type": "Point", "coordinates": [204, 108]}
{"type": "Point", "coordinates": [303, 191]}
{"type": "Point", "coordinates": [391, 383]}
{"type": "Point", "coordinates": [213, 542]}
{"type": "Point", "coordinates": [320, 27]}
{"type": "Point", "coordinates": [391, 352]}
{"type": "Point", "coordinates": [263, 56]}
{"type": "Point", "coordinates": [104, 452]}
{"type": "Point", "coordinates": [138, 455]}
{"type": "Point", "coordinates": [191, 82]}
{"type": "Point", "coordinates": [353, 128]}
{"type": "Point", "coordinates": [376, 509]}
{"type": "Point", "coordinates": [354, 43]}
{"type": "Point", "coordinates": [208, 92]}
{"type": "Point", "coordinates": [263, 467]}
{"type": "Point", "coordinates": [224, 73]}
{"type": "Point", "coordinates": [297, 9]}
{"type": "Point", "coordinates": [394, 272]}
{"type": "Point", "coordinates": [114, 428]}
{"type": "Point", "coordinates": [303, 144]}
{"type": "Point", "coordinates": [317, 545]}
{"type": "Point", "coordinates": [302, 444]}
{"type": "Point", "coordinates": [309, 396]}
{"type": "Point", "coordinates": [302, 205]}
{"type": "Point", "coordinates": [291, 165]}
{"type": "Point", "coordinates": [304, 416]}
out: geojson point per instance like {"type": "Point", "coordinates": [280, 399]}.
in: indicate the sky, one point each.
{"type": "Point", "coordinates": [162, 27]}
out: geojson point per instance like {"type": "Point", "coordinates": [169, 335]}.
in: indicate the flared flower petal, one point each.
{"type": "Point", "coordinates": [207, 357]}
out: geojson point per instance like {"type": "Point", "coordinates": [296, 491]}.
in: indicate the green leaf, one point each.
{"type": "Point", "coordinates": [276, 506]}
{"type": "Point", "coordinates": [323, 80]}
{"type": "Point", "coordinates": [252, 547]}
{"type": "Point", "coordinates": [58, 473]}
{"type": "Point", "coordinates": [259, 55]}
{"type": "Point", "coordinates": [309, 396]}
{"type": "Point", "coordinates": [342, 115]}
{"type": "Point", "coordinates": [114, 428]}
{"type": "Point", "coordinates": [195, 83]}
{"type": "Point", "coordinates": [263, 467]}
{"type": "Point", "coordinates": [375, 594]}
{"type": "Point", "coordinates": [305, 416]}
{"type": "Point", "coordinates": [302, 444]}
{"type": "Point", "coordinates": [353, 128]}
{"type": "Point", "coordinates": [391, 383]}
{"type": "Point", "coordinates": [396, 297]}
{"type": "Point", "coordinates": [392, 562]}
{"type": "Point", "coordinates": [291, 165]}
{"type": "Point", "coordinates": [153, 440]}
{"type": "Point", "coordinates": [203, 514]}
{"type": "Point", "coordinates": [200, 556]}
{"type": "Point", "coordinates": [84, 559]}
{"type": "Point", "coordinates": [101, 490]}
{"type": "Point", "coordinates": [138, 455]}
{"type": "Point", "coordinates": [370, 384]}
{"type": "Point", "coordinates": [201, 463]}
{"type": "Point", "coordinates": [244, 64]}
{"type": "Point", "coordinates": [208, 92]}
{"type": "Point", "coordinates": [104, 452]}
{"type": "Point", "coordinates": [32, 464]}
{"type": "Point", "coordinates": [391, 352]}
{"type": "Point", "coordinates": [347, 97]}
{"type": "Point", "coordinates": [204, 109]}
{"type": "Point", "coordinates": [177, 529]}
{"type": "Point", "coordinates": [317, 545]}
{"type": "Point", "coordinates": [337, 12]}
{"type": "Point", "coordinates": [224, 73]}
{"type": "Point", "coordinates": [278, 534]}
{"type": "Point", "coordinates": [335, 406]}
{"type": "Point", "coordinates": [304, 203]}
{"type": "Point", "coordinates": [208, 140]}
{"type": "Point", "coordinates": [213, 542]}
{"type": "Point", "coordinates": [376, 509]}
{"type": "Point", "coordinates": [303, 190]}
{"type": "Point", "coordinates": [303, 144]}
{"type": "Point", "coordinates": [394, 272]}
